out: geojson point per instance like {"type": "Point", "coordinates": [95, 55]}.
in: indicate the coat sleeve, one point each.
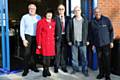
{"type": "Point", "coordinates": [68, 31]}
{"type": "Point", "coordinates": [110, 30]}
{"type": "Point", "coordinates": [38, 34]}
{"type": "Point", "coordinates": [90, 35]}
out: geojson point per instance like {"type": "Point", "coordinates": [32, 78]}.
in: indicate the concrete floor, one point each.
{"type": "Point", "coordinates": [55, 76]}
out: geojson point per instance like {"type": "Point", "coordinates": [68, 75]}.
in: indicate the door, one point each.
{"type": "Point", "coordinates": [4, 36]}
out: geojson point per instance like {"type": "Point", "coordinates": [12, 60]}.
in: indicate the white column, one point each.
{"type": "Point", "coordinates": [73, 4]}
{"type": "Point", "coordinates": [95, 3]}
{"type": "Point", "coordinates": [67, 7]}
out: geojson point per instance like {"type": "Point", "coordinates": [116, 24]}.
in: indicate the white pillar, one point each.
{"type": "Point", "coordinates": [73, 4]}
{"type": "Point", "coordinates": [67, 7]}
{"type": "Point", "coordinates": [95, 3]}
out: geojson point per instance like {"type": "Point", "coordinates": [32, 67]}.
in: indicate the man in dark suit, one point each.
{"type": "Point", "coordinates": [61, 43]}
{"type": "Point", "coordinates": [102, 39]}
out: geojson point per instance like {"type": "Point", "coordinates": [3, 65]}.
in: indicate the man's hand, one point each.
{"type": "Point", "coordinates": [93, 47]}
{"type": "Point", "coordinates": [111, 45]}
{"type": "Point", "coordinates": [87, 43]}
{"type": "Point", "coordinates": [70, 43]}
{"type": "Point", "coordinates": [25, 43]}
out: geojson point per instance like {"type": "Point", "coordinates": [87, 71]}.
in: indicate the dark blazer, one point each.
{"type": "Point", "coordinates": [58, 29]}
{"type": "Point", "coordinates": [70, 30]}
{"type": "Point", "coordinates": [101, 31]}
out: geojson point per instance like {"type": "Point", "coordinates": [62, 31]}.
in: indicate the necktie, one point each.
{"type": "Point", "coordinates": [62, 23]}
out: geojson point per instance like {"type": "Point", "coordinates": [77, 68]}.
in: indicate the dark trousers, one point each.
{"type": "Point", "coordinates": [29, 53]}
{"type": "Point", "coordinates": [61, 53]}
{"type": "Point", "coordinates": [104, 59]}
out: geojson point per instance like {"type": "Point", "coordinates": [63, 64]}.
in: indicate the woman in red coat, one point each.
{"type": "Point", "coordinates": [45, 37]}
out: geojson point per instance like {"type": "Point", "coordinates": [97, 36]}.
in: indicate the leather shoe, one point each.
{"type": "Point", "coordinates": [25, 72]}
{"type": "Point", "coordinates": [48, 73]}
{"type": "Point", "coordinates": [107, 78]}
{"type": "Point", "coordinates": [85, 73]}
{"type": "Point", "coordinates": [56, 70]}
{"type": "Point", "coordinates": [73, 72]}
{"type": "Point", "coordinates": [44, 73]}
{"type": "Point", "coordinates": [35, 69]}
{"type": "Point", "coordinates": [64, 70]}
{"type": "Point", "coordinates": [100, 76]}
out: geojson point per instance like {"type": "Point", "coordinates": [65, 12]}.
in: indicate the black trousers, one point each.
{"type": "Point", "coordinates": [29, 53]}
{"type": "Point", "coordinates": [61, 53]}
{"type": "Point", "coordinates": [104, 59]}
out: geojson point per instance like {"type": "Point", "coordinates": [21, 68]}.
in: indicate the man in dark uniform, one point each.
{"type": "Point", "coordinates": [102, 38]}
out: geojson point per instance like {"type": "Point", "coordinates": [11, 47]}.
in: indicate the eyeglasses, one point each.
{"type": "Point", "coordinates": [61, 9]}
{"type": "Point", "coordinates": [32, 8]}
{"type": "Point", "coordinates": [97, 11]}
{"type": "Point", "coordinates": [76, 10]}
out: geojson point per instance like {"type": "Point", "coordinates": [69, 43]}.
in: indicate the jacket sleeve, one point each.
{"type": "Point", "coordinates": [90, 35]}
{"type": "Point", "coordinates": [68, 31]}
{"type": "Point", "coordinates": [38, 34]}
{"type": "Point", "coordinates": [86, 30]}
{"type": "Point", "coordinates": [22, 28]}
{"type": "Point", "coordinates": [110, 30]}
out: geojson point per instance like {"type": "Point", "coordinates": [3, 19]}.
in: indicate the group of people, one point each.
{"type": "Point", "coordinates": [51, 37]}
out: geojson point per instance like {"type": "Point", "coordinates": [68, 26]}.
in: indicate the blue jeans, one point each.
{"type": "Point", "coordinates": [76, 50]}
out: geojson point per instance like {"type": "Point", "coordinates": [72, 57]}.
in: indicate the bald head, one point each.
{"type": "Point", "coordinates": [97, 13]}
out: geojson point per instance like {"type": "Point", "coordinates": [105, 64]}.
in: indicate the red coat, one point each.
{"type": "Point", "coordinates": [45, 37]}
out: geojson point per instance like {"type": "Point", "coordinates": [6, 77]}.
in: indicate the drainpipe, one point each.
{"type": "Point", "coordinates": [95, 62]}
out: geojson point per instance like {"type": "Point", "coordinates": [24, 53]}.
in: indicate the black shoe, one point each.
{"type": "Point", "coordinates": [48, 72]}
{"type": "Point", "coordinates": [25, 72]}
{"type": "Point", "coordinates": [56, 70]}
{"type": "Point", "coordinates": [100, 76]}
{"type": "Point", "coordinates": [107, 78]}
{"type": "Point", "coordinates": [44, 73]}
{"type": "Point", "coordinates": [73, 72]}
{"type": "Point", "coordinates": [64, 70]}
{"type": "Point", "coordinates": [85, 73]}
{"type": "Point", "coordinates": [35, 69]}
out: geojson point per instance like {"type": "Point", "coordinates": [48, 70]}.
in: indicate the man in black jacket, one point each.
{"type": "Point", "coordinates": [61, 43]}
{"type": "Point", "coordinates": [102, 38]}
{"type": "Point", "coordinates": [77, 32]}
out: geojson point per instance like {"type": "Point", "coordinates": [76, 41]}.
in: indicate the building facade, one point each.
{"type": "Point", "coordinates": [111, 8]}
{"type": "Point", "coordinates": [12, 10]}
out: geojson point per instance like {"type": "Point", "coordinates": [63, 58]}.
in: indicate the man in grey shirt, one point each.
{"type": "Point", "coordinates": [77, 37]}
